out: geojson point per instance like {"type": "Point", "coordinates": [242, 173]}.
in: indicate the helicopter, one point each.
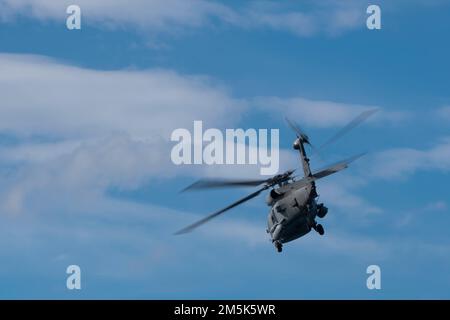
{"type": "Point", "coordinates": [294, 202]}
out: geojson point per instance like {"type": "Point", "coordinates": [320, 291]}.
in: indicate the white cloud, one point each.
{"type": "Point", "coordinates": [154, 14]}
{"type": "Point", "coordinates": [99, 128]}
{"type": "Point", "coordinates": [113, 127]}
{"type": "Point", "coordinates": [67, 100]}
{"type": "Point", "coordinates": [419, 215]}
{"type": "Point", "coordinates": [313, 113]}
{"type": "Point", "coordinates": [340, 195]}
{"type": "Point", "coordinates": [443, 113]}
{"type": "Point", "coordinates": [115, 122]}
{"type": "Point", "coordinates": [322, 113]}
{"type": "Point", "coordinates": [309, 18]}
{"type": "Point", "coordinates": [439, 205]}
{"type": "Point", "coordinates": [303, 19]}
{"type": "Point", "coordinates": [403, 162]}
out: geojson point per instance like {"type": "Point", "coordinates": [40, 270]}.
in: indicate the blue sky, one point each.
{"type": "Point", "coordinates": [85, 124]}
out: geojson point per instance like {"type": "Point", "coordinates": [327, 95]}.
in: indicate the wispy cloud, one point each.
{"type": "Point", "coordinates": [158, 15]}
{"type": "Point", "coordinates": [343, 197]}
{"type": "Point", "coordinates": [112, 128]}
{"type": "Point", "coordinates": [322, 113]}
{"type": "Point", "coordinates": [434, 206]}
{"type": "Point", "coordinates": [305, 18]}
{"type": "Point", "coordinates": [88, 101]}
{"type": "Point", "coordinates": [404, 162]}
{"type": "Point", "coordinates": [98, 128]}
{"type": "Point", "coordinates": [443, 113]}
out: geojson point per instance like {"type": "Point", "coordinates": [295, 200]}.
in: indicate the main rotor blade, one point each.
{"type": "Point", "coordinates": [301, 134]}
{"type": "Point", "coordinates": [294, 127]}
{"type": "Point", "coordinates": [336, 167]}
{"type": "Point", "coordinates": [352, 124]}
{"type": "Point", "coordinates": [217, 213]}
{"type": "Point", "coordinates": [223, 183]}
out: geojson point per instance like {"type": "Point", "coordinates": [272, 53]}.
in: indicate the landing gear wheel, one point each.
{"type": "Point", "coordinates": [320, 230]}
{"type": "Point", "coordinates": [279, 246]}
{"type": "Point", "coordinates": [321, 211]}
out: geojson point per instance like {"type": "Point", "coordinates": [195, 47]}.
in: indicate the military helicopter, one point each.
{"type": "Point", "coordinates": [294, 206]}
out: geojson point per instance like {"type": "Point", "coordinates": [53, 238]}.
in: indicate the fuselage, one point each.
{"type": "Point", "coordinates": [292, 214]}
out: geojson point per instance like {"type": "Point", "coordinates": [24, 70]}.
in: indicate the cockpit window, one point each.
{"type": "Point", "coordinates": [274, 220]}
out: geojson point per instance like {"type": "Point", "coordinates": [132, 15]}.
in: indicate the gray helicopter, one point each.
{"type": "Point", "coordinates": [294, 206]}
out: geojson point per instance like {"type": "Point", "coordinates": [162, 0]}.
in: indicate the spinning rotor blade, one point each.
{"type": "Point", "coordinates": [300, 134]}
{"type": "Point", "coordinates": [320, 174]}
{"type": "Point", "coordinates": [351, 125]}
{"type": "Point", "coordinates": [295, 127]}
{"type": "Point", "coordinates": [223, 183]}
{"type": "Point", "coordinates": [335, 167]}
{"type": "Point", "coordinates": [217, 213]}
